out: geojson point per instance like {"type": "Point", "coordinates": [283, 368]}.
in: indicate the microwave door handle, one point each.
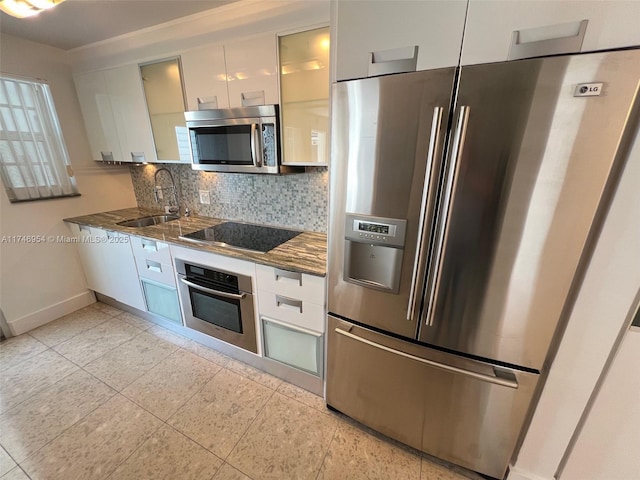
{"type": "Point", "coordinates": [256, 150]}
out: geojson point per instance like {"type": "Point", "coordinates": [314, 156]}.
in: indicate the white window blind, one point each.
{"type": "Point", "coordinates": [34, 163]}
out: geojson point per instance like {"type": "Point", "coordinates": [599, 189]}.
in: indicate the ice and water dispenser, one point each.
{"type": "Point", "coordinates": [374, 248]}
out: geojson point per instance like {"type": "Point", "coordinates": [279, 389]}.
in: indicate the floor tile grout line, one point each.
{"type": "Point", "coordinates": [253, 420]}
{"type": "Point", "coordinates": [43, 388]}
{"type": "Point", "coordinates": [66, 429]}
{"type": "Point", "coordinates": [324, 457]}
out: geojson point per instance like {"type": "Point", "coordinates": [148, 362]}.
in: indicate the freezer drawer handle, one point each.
{"type": "Point", "coordinates": [427, 196]}
{"type": "Point", "coordinates": [443, 223]}
{"type": "Point", "coordinates": [479, 376]}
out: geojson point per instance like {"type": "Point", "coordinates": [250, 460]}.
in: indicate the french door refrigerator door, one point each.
{"type": "Point", "coordinates": [529, 160]}
{"type": "Point", "coordinates": [460, 410]}
{"type": "Point", "coordinates": [387, 139]}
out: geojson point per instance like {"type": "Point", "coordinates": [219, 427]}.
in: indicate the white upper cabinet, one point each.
{"type": "Point", "coordinates": [546, 27]}
{"type": "Point", "coordinates": [130, 113]}
{"type": "Point", "coordinates": [205, 77]}
{"type": "Point", "coordinates": [372, 38]}
{"type": "Point", "coordinates": [233, 75]}
{"type": "Point", "coordinates": [115, 115]}
{"type": "Point", "coordinates": [252, 71]}
{"type": "Point", "coordinates": [98, 116]}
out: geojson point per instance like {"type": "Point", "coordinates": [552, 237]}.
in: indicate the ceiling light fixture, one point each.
{"type": "Point", "coordinates": [26, 8]}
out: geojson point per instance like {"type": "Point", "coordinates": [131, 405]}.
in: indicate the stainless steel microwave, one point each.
{"type": "Point", "coordinates": [240, 140]}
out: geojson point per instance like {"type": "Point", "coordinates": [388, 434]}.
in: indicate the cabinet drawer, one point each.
{"type": "Point", "coordinates": [296, 347]}
{"type": "Point", "coordinates": [291, 310]}
{"type": "Point", "coordinates": [300, 286]}
{"type": "Point", "coordinates": [151, 249]}
{"type": "Point", "coordinates": [159, 272]}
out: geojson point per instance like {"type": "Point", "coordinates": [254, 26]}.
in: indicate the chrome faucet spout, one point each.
{"type": "Point", "coordinates": [158, 191]}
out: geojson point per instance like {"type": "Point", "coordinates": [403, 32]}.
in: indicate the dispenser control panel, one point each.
{"type": "Point", "coordinates": [382, 231]}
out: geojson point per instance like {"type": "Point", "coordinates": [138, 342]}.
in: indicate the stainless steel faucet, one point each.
{"type": "Point", "coordinates": [158, 191]}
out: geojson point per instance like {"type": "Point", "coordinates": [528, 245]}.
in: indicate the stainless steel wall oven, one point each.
{"type": "Point", "coordinates": [217, 303]}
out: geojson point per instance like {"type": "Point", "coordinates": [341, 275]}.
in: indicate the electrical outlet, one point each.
{"type": "Point", "coordinates": [205, 198]}
{"type": "Point", "coordinates": [159, 193]}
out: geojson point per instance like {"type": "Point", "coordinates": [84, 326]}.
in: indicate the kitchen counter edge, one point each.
{"type": "Point", "coordinates": [306, 253]}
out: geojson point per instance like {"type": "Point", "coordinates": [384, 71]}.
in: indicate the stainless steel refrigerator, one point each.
{"type": "Point", "coordinates": [462, 202]}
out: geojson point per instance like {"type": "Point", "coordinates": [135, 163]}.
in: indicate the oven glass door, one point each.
{"type": "Point", "coordinates": [217, 309]}
{"type": "Point", "coordinates": [224, 145]}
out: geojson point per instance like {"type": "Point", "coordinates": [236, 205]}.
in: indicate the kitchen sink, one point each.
{"type": "Point", "coordinates": [147, 221]}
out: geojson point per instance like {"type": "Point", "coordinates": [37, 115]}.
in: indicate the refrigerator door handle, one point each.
{"type": "Point", "coordinates": [505, 382]}
{"type": "Point", "coordinates": [427, 202]}
{"type": "Point", "coordinates": [451, 178]}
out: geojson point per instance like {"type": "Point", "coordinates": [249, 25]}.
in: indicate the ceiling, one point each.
{"type": "Point", "coordinates": [75, 23]}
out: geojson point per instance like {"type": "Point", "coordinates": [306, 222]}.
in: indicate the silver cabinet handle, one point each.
{"type": "Point", "coordinates": [213, 292]}
{"type": "Point", "coordinates": [548, 46]}
{"type": "Point", "coordinates": [451, 179]}
{"type": "Point", "coordinates": [442, 366]}
{"type": "Point", "coordinates": [111, 234]}
{"type": "Point", "coordinates": [428, 199]}
{"type": "Point", "coordinates": [150, 245]}
{"type": "Point", "coordinates": [137, 157]}
{"type": "Point", "coordinates": [154, 266]}
{"type": "Point", "coordinates": [84, 228]}
{"type": "Point", "coordinates": [397, 60]}
{"type": "Point", "coordinates": [278, 273]}
{"type": "Point", "coordinates": [107, 156]}
{"type": "Point", "coordinates": [280, 300]}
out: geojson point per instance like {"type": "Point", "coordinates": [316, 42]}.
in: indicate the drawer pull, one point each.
{"type": "Point", "coordinates": [290, 302]}
{"type": "Point", "coordinates": [149, 245]}
{"type": "Point", "coordinates": [84, 228]}
{"type": "Point", "coordinates": [154, 266]}
{"type": "Point", "coordinates": [287, 274]}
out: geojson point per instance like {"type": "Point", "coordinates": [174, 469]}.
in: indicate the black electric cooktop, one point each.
{"type": "Point", "coordinates": [244, 236]}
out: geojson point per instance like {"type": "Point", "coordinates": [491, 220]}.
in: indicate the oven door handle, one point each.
{"type": "Point", "coordinates": [214, 292]}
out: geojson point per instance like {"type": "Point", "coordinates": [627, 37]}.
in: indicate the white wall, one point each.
{"type": "Point", "coordinates": [607, 447]}
{"type": "Point", "coordinates": [599, 314]}
{"type": "Point", "coordinates": [40, 282]}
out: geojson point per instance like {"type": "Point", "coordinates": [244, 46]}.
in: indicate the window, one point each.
{"type": "Point", "coordinates": [34, 163]}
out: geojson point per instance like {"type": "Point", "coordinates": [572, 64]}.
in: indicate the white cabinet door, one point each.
{"type": "Point", "coordinates": [109, 265]}
{"type": "Point", "coordinates": [115, 115]}
{"type": "Point", "coordinates": [252, 67]}
{"type": "Point", "coordinates": [205, 76]}
{"type": "Point", "coordinates": [491, 23]}
{"type": "Point", "coordinates": [90, 256]}
{"type": "Point", "coordinates": [121, 267]}
{"type": "Point", "coordinates": [360, 28]}
{"type": "Point", "coordinates": [130, 113]}
{"type": "Point", "coordinates": [98, 116]}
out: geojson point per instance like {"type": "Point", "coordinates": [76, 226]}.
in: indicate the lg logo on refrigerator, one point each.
{"type": "Point", "coordinates": [588, 90]}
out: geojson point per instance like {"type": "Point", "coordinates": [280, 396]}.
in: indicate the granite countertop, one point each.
{"type": "Point", "coordinates": [306, 253]}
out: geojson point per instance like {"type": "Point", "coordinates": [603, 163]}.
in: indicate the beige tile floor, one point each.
{"type": "Point", "coordinates": [103, 394]}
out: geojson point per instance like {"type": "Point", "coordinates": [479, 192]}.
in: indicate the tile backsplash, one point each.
{"type": "Point", "coordinates": [292, 201]}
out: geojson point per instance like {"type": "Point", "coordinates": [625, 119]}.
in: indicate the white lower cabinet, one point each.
{"type": "Point", "coordinates": [297, 347]}
{"type": "Point", "coordinates": [155, 269]}
{"type": "Point", "coordinates": [109, 265]}
{"type": "Point", "coordinates": [292, 316]}
{"type": "Point", "coordinates": [161, 300]}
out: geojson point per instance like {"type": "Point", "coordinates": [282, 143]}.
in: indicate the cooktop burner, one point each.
{"type": "Point", "coordinates": [243, 236]}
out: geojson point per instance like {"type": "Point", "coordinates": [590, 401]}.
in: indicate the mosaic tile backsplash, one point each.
{"type": "Point", "coordinates": [296, 201]}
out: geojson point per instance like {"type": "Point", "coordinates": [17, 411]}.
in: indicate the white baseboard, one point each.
{"type": "Point", "coordinates": [517, 474]}
{"type": "Point", "coordinates": [50, 313]}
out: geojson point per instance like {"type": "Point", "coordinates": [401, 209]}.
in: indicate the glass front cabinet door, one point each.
{"type": "Point", "coordinates": [304, 96]}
